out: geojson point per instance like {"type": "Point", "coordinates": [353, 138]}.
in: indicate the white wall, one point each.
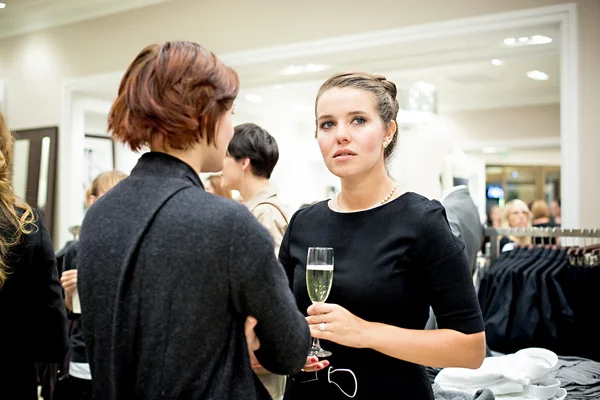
{"type": "Point", "coordinates": [87, 115]}
{"type": "Point", "coordinates": [509, 123]}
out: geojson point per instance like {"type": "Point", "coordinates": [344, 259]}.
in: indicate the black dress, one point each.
{"type": "Point", "coordinates": [391, 263]}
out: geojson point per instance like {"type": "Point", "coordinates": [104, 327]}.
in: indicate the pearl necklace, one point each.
{"type": "Point", "coordinates": [385, 199]}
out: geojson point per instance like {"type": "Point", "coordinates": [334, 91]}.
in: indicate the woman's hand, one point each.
{"type": "Point", "coordinates": [336, 324]}
{"type": "Point", "coordinates": [68, 281]}
{"type": "Point", "coordinates": [313, 364]}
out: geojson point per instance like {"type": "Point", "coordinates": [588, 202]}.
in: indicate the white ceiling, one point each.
{"type": "Point", "coordinates": [25, 16]}
{"type": "Point", "coordinates": [460, 67]}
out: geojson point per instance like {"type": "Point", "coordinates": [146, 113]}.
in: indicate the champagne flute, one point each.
{"type": "Point", "coordinates": [319, 277]}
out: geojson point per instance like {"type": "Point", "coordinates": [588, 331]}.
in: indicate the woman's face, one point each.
{"type": "Point", "coordinates": [518, 216]}
{"type": "Point", "coordinates": [233, 173]}
{"type": "Point", "coordinates": [496, 217]}
{"type": "Point", "coordinates": [350, 131]}
{"type": "Point", "coordinates": [215, 154]}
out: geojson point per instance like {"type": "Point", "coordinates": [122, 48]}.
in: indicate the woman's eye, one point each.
{"type": "Point", "coordinates": [359, 120]}
{"type": "Point", "coordinates": [326, 125]}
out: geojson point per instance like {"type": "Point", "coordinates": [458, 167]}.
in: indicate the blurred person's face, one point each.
{"type": "Point", "coordinates": [92, 199]}
{"type": "Point", "coordinates": [233, 172]}
{"type": "Point", "coordinates": [213, 161]}
{"type": "Point", "coordinates": [555, 209]}
{"type": "Point", "coordinates": [496, 217]}
{"type": "Point", "coordinates": [350, 131]}
{"type": "Point", "coordinates": [518, 217]}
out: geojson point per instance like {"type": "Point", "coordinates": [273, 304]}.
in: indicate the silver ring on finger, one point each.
{"type": "Point", "coordinates": [322, 326]}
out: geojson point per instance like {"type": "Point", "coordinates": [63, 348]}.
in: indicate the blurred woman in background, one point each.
{"type": "Point", "coordinates": [516, 215]}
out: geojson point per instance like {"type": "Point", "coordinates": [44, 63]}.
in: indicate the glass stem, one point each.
{"type": "Point", "coordinates": [315, 343]}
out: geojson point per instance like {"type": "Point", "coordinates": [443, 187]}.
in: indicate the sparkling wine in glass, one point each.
{"type": "Point", "coordinates": [319, 277]}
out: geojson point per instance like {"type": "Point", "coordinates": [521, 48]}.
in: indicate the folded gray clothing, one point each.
{"type": "Point", "coordinates": [579, 376]}
{"type": "Point", "coordinates": [442, 394]}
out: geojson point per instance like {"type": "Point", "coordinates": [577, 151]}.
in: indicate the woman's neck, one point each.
{"type": "Point", "coordinates": [252, 185]}
{"type": "Point", "coordinates": [192, 157]}
{"type": "Point", "coordinates": [361, 193]}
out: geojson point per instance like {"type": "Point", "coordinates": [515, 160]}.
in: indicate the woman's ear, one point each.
{"type": "Point", "coordinates": [245, 164]}
{"type": "Point", "coordinates": [391, 131]}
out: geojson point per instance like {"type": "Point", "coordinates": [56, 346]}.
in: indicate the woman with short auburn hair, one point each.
{"type": "Point", "coordinates": [177, 285]}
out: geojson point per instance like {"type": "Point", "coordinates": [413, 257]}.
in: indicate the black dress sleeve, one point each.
{"type": "Point", "coordinates": [284, 253]}
{"type": "Point", "coordinates": [260, 289]}
{"type": "Point", "coordinates": [49, 317]}
{"type": "Point", "coordinates": [450, 286]}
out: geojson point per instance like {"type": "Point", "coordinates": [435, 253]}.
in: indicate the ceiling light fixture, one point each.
{"type": "Point", "coordinates": [303, 69]}
{"type": "Point", "coordinates": [540, 39]}
{"type": "Point", "coordinates": [538, 75]}
{"type": "Point", "coordinates": [527, 41]}
{"type": "Point", "coordinates": [497, 62]}
{"type": "Point", "coordinates": [2, 5]}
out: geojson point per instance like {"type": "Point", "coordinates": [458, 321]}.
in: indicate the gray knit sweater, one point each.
{"type": "Point", "coordinates": [167, 275]}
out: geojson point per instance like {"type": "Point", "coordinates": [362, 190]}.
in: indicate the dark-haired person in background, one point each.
{"type": "Point", "coordinates": [172, 280]}
{"type": "Point", "coordinates": [251, 157]}
{"type": "Point", "coordinates": [33, 320]}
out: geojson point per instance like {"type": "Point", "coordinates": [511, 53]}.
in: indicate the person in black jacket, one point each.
{"type": "Point", "coordinates": [32, 310]}
{"type": "Point", "coordinates": [168, 274]}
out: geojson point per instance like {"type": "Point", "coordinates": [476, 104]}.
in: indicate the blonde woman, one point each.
{"type": "Point", "coordinates": [32, 311]}
{"type": "Point", "coordinates": [80, 378]}
{"type": "Point", "coordinates": [516, 215]}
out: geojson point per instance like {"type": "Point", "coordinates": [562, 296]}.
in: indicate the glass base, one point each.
{"type": "Point", "coordinates": [319, 352]}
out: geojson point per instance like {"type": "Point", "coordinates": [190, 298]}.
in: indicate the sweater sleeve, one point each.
{"type": "Point", "coordinates": [260, 289]}
{"type": "Point", "coordinates": [446, 270]}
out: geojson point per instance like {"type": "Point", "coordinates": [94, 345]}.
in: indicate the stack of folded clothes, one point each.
{"type": "Point", "coordinates": [514, 375]}
{"type": "Point", "coordinates": [579, 376]}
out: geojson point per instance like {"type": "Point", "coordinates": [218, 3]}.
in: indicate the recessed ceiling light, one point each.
{"type": "Point", "coordinates": [2, 5]}
{"type": "Point", "coordinates": [497, 62]}
{"type": "Point", "coordinates": [538, 75]}
{"type": "Point", "coordinates": [490, 150]}
{"type": "Point", "coordinates": [254, 98]}
{"type": "Point", "coordinates": [540, 39]}
{"type": "Point", "coordinates": [527, 41]}
{"type": "Point", "coordinates": [278, 87]}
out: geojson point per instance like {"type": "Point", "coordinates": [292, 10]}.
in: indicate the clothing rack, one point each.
{"type": "Point", "coordinates": [495, 233]}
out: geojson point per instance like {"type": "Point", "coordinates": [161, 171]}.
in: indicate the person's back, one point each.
{"type": "Point", "coordinates": [168, 273]}
{"type": "Point", "coordinates": [32, 311]}
{"type": "Point", "coordinates": [177, 306]}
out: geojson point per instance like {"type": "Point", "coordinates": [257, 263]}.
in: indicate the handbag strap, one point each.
{"type": "Point", "coordinates": [278, 209]}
